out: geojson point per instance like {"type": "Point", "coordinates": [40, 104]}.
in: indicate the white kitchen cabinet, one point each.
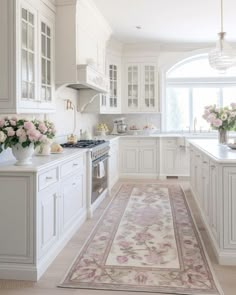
{"type": "Point", "coordinates": [40, 212]}
{"type": "Point", "coordinates": [73, 191]}
{"type": "Point", "coordinates": [141, 87]}
{"type": "Point", "coordinates": [48, 218]}
{"type": "Point", "coordinates": [174, 157]}
{"type": "Point", "coordinates": [139, 157]}
{"type": "Point", "coordinates": [113, 163]}
{"type": "Point", "coordinates": [21, 57]}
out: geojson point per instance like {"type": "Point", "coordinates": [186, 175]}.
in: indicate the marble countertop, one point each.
{"type": "Point", "coordinates": [219, 153]}
{"type": "Point", "coordinates": [41, 162]}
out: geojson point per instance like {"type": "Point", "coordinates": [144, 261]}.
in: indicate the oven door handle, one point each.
{"type": "Point", "coordinates": [102, 159]}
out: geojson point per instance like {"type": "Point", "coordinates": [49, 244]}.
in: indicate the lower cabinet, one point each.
{"type": "Point", "coordinates": [139, 157]}
{"type": "Point", "coordinates": [174, 157]}
{"type": "Point", "coordinates": [48, 218]}
{"type": "Point", "coordinates": [39, 214]}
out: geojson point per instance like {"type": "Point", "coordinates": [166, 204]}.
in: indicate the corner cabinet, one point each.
{"type": "Point", "coordinates": [141, 88]}
{"type": "Point", "coordinates": [26, 56]}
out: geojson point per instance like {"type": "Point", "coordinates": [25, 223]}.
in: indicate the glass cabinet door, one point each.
{"type": "Point", "coordinates": [133, 87]}
{"type": "Point", "coordinates": [113, 86]}
{"type": "Point", "coordinates": [46, 62]}
{"type": "Point", "coordinates": [28, 54]}
{"type": "Point", "coordinates": [149, 95]}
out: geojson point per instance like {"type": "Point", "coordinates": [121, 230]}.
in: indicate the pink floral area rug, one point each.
{"type": "Point", "coordinates": [145, 241]}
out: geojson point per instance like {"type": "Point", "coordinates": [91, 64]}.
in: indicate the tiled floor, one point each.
{"type": "Point", "coordinates": [47, 285]}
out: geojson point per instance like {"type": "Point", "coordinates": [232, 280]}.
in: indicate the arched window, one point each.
{"type": "Point", "coordinates": [191, 85]}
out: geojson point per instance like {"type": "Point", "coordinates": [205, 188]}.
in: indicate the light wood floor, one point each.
{"type": "Point", "coordinates": [47, 285]}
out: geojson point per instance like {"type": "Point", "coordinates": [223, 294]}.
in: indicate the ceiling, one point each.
{"type": "Point", "coordinates": [174, 21]}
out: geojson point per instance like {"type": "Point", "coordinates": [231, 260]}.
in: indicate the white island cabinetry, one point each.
{"type": "Point", "coordinates": [213, 183]}
{"type": "Point", "coordinates": [40, 212]}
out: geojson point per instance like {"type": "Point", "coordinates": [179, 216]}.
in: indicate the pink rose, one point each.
{"type": "Point", "coordinates": [22, 138]}
{"type": "Point", "coordinates": [10, 131]}
{"type": "Point", "coordinates": [33, 135]}
{"type": "Point", "coordinates": [13, 123]}
{"type": "Point", "coordinates": [217, 123]}
{"type": "Point", "coordinates": [2, 123]}
{"type": "Point", "coordinates": [29, 125]}
{"type": "Point", "coordinates": [42, 127]}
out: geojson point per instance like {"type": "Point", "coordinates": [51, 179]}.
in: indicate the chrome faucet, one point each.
{"type": "Point", "coordinates": [195, 125]}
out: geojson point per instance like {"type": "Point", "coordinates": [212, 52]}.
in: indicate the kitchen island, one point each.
{"type": "Point", "coordinates": [213, 184]}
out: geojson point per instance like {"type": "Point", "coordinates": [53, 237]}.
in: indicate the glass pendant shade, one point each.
{"type": "Point", "coordinates": [222, 57]}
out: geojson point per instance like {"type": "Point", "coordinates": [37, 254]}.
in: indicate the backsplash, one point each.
{"type": "Point", "coordinates": [63, 120]}
{"type": "Point", "coordinates": [139, 120]}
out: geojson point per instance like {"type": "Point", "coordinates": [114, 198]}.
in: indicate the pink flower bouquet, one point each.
{"type": "Point", "coordinates": [221, 118]}
{"type": "Point", "coordinates": [24, 132]}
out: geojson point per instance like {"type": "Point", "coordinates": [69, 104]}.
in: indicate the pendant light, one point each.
{"type": "Point", "coordinates": [222, 57]}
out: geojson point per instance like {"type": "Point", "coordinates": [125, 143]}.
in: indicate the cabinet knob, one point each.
{"type": "Point", "coordinates": [213, 166]}
{"type": "Point", "coordinates": [204, 162]}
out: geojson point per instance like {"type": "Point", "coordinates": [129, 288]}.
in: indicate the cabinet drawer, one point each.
{"type": "Point", "coordinates": [68, 167]}
{"type": "Point", "coordinates": [47, 178]}
{"type": "Point", "coordinates": [170, 142]}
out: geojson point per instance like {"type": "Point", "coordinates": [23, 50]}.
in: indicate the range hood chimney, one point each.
{"type": "Point", "coordinates": [73, 66]}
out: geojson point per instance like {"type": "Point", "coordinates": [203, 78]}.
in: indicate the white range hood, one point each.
{"type": "Point", "coordinates": [81, 36]}
{"type": "Point", "coordinates": [89, 78]}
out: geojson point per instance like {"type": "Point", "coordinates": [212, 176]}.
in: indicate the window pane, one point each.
{"type": "Point", "coordinates": [229, 95]}
{"type": "Point", "coordinates": [177, 108]}
{"type": "Point", "coordinates": [201, 98]}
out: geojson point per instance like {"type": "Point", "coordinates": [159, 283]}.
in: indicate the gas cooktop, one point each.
{"type": "Point", "coordinates": [83, 144]}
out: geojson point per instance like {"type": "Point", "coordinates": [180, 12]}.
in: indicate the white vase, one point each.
{"type": "Point", "coordinates": [23, 155]}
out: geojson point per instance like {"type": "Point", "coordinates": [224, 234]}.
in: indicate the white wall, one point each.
{"type": "Point", "coordinates": [64, 120]}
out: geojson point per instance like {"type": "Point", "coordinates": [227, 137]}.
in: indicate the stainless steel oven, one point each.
{"type": "Point", "coordinates": [99, 176]}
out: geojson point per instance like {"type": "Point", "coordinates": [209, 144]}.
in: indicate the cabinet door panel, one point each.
{"type": "Point", "coordinates": [169, 161]}
{"type": "Point", "coordinates": [72, 198]}
{"type": "Point", "coordinates": [48, 218]}
{"type": "Point", "coordinates": [133, 87]}
{"type": "Point", "coordinates": [213, 201]}
{"type": "Point", "coordinates": [229, 190]}
{"type": "Point", "coordinates": [148, 160]}
{"type": "Point", "coordinates": [130, 159]}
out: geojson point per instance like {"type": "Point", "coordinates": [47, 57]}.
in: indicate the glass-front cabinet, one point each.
{"type": "Point", "coordinates": [46, 61]}
{"type": "Point", "coordinates": [133, 83]}
{"type": "Point", "coordinates": [27, 59]}
{"type": "Point", "coordinates": [28, 53]}
{"type": "Point", "coordinates": [111, 102]}
{"type": "Point", "coordinates": [141, 94]}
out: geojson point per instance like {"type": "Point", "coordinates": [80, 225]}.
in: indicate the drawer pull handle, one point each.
{"type": "Point", "coordinates": [205, 162]}
{"type": "Point", "coordinates": [75, 164]}
{"type": "Point", "coordinates": [49, 177]}
{"type": "Point", "coordinates": [213, 166]}
{"type": "Point", "coordinates": [74, 183]}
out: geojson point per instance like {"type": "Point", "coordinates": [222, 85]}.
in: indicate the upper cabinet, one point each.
{"type": "Point", "coordinates": [141, 87]}
{"type": "Point", "coordinates": [27, 56]}
{"type": "Point", "coordinates": [111, 101]}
